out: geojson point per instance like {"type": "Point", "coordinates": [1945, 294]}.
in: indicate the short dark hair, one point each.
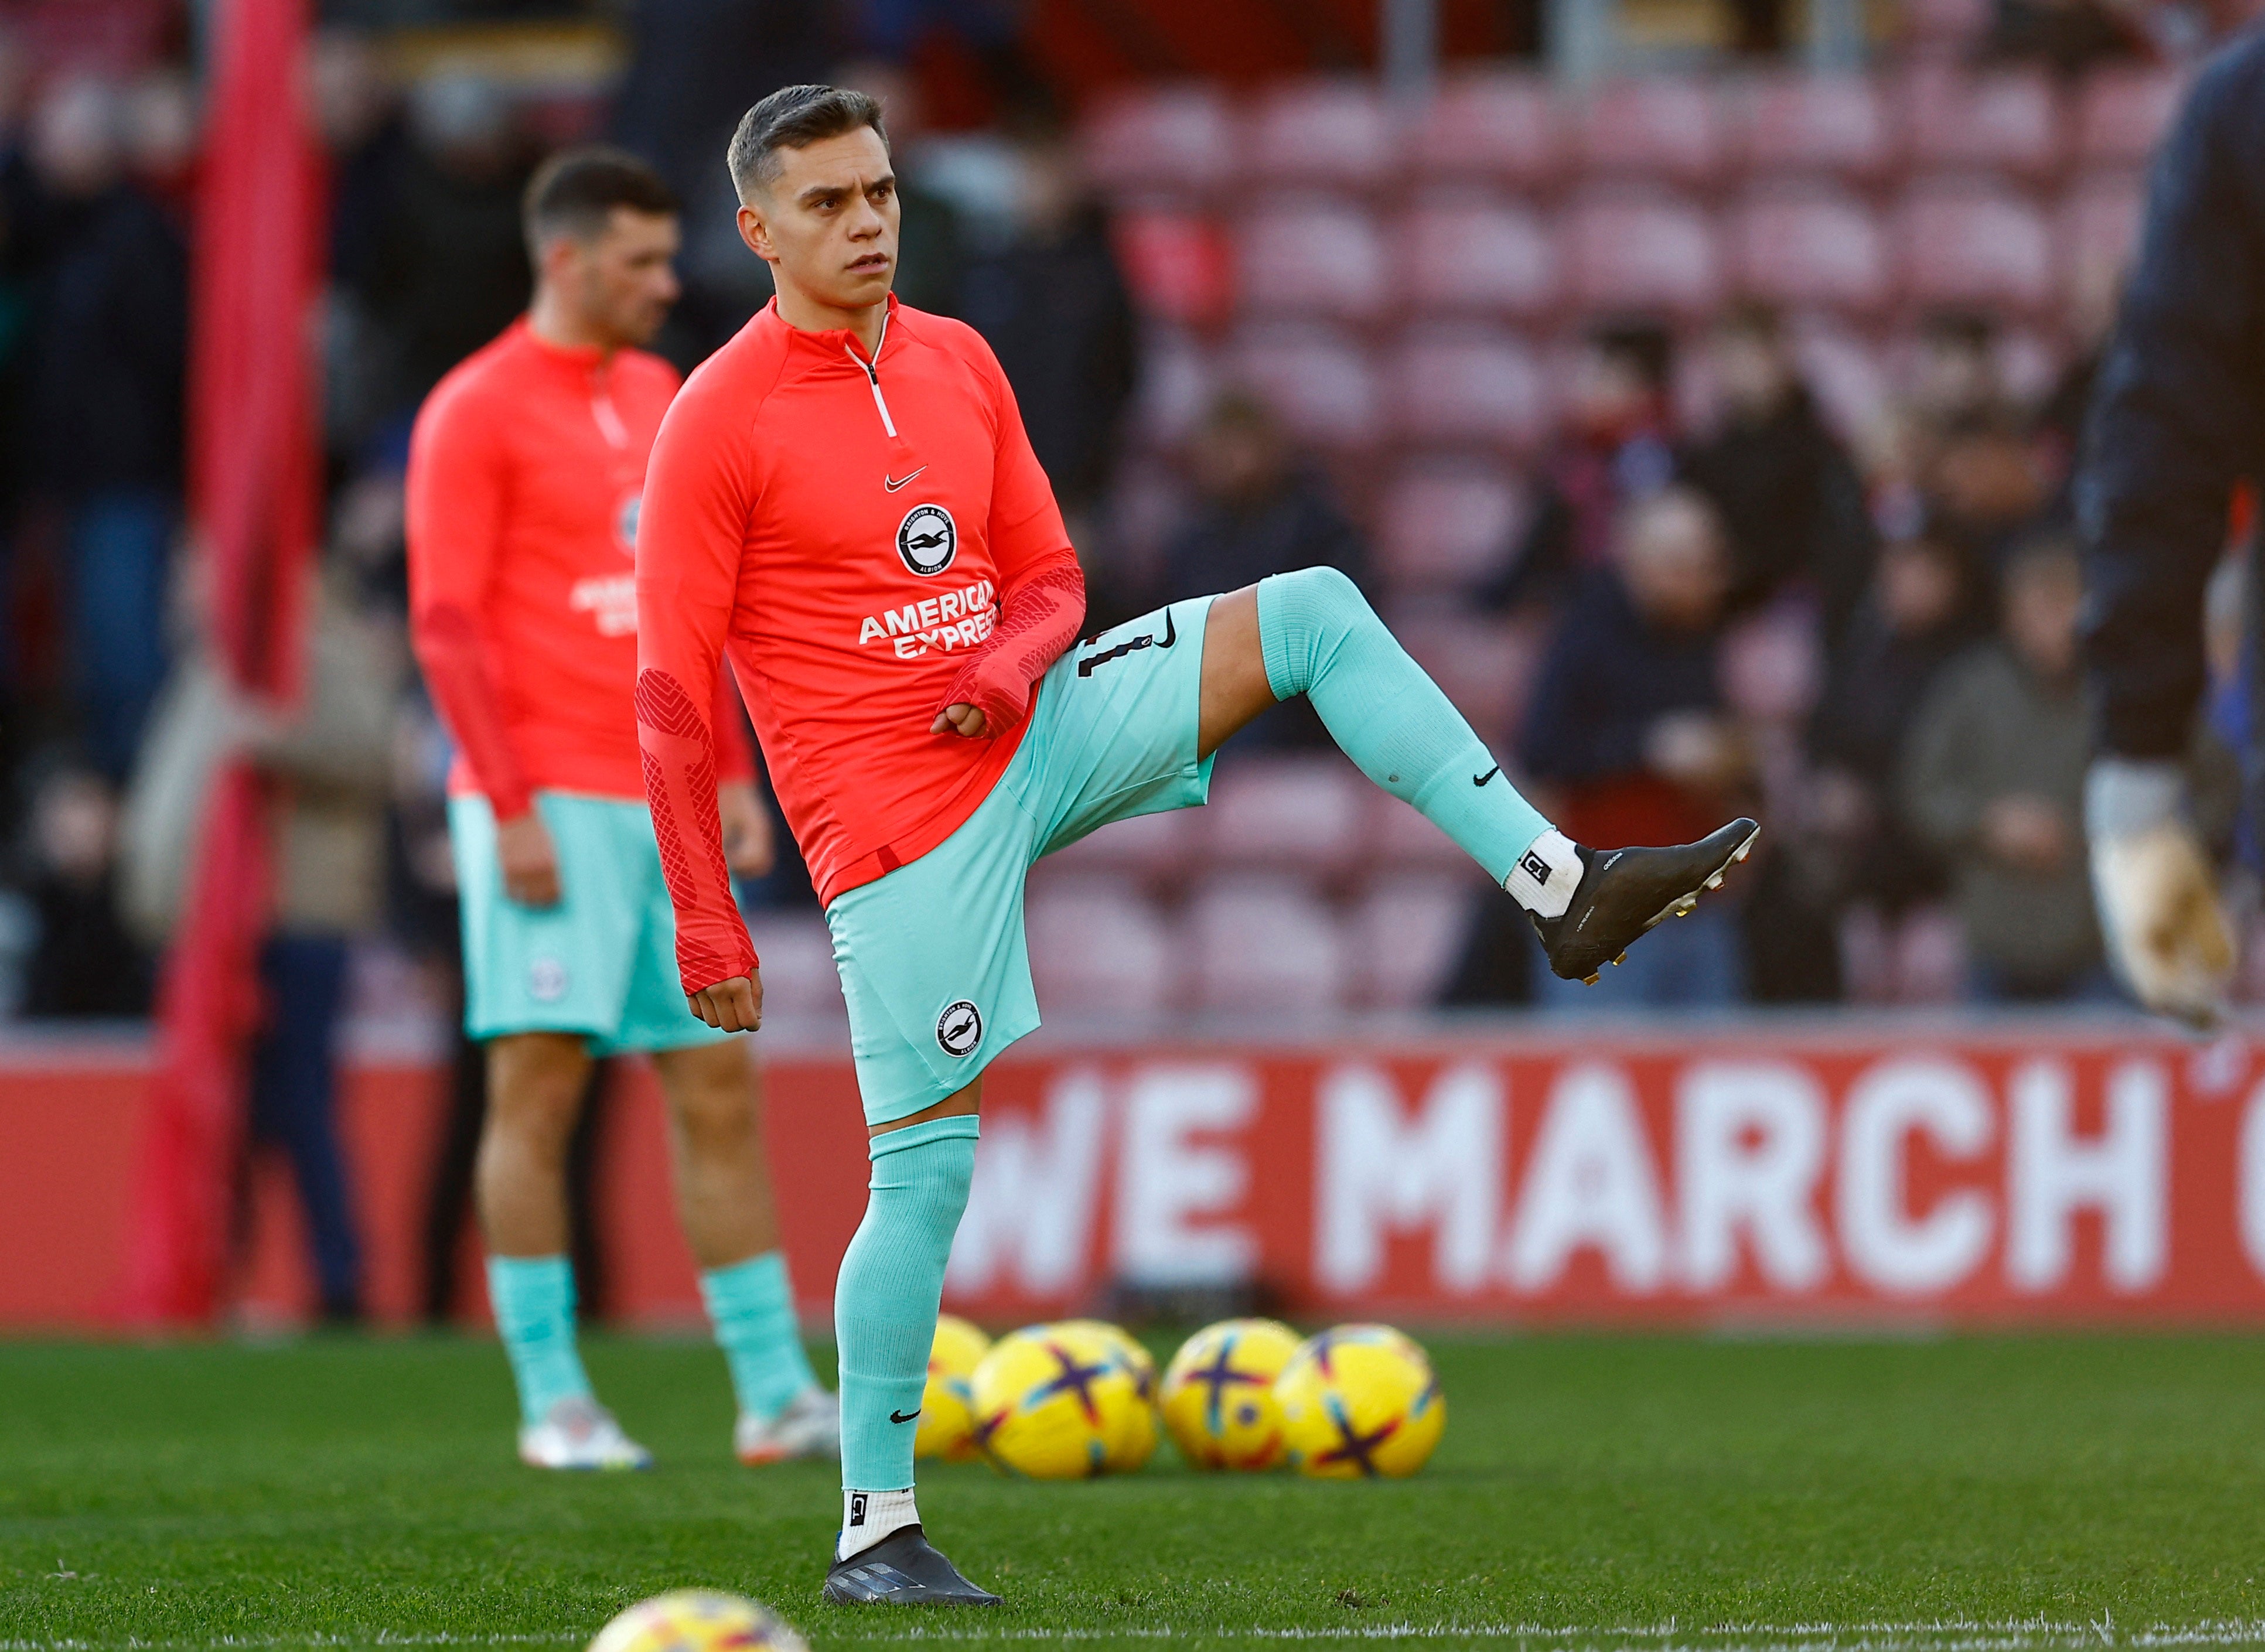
{"type": "Point", "coordinates": [793, 118]}
{"type": "Point", "coordinates": [575, 192]}
{"type": "Point", "coordinates": [1642, 347]}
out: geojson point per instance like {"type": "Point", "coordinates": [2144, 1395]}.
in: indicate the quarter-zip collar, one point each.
{"type": "Point", "coordinates": [839, 344]}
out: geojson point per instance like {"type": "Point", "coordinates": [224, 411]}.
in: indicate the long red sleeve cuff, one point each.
{"type": "Point", "coordinates": [455, 657]}
{"type": "Point", "coordinates": [678, 755]}
{"type": "Point", "coordinates": [1038, 620]}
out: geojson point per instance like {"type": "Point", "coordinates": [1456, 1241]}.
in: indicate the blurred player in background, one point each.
{"type": "Point", "coordinates": [844, 497]}
{"type": "Point", "coordinates": [524, 475]}
{"type": "Point", "coordinates": [2178, 419]}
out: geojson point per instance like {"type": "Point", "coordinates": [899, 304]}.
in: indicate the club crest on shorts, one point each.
{"type": "Point", "coordinates": [928, 539]}
{"type": "Point", "coordinates": [960, 1029]}
{"type": "Point", "coordinates": [546, 980]}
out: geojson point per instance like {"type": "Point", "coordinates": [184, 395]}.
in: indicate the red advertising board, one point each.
{"type": "Point", "coordinates": [1840, 1176]}
{"type": "Point", "coordinates": [1848, 1172]}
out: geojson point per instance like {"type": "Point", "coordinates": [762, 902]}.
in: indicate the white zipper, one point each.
{"type": "Point", "coordinates": [872, 371]}
{"type": "Point", "coordinates": [608, 420]}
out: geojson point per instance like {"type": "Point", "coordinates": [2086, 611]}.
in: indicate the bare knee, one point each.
{"type": "Point", "coordinates": [535, 1093]}
{"type": "Point", "coordinates": [712, 1094]}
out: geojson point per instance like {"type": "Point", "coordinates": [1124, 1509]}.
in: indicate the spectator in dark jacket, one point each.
{"type": "Point", "coordinates": [2177, 418]}
{"type": "Point", "coordinates": [1789, 497]}
{"type": "Point", "coordinates": [110, 341]}
{"type": "Point", "coordinates": [1618, 446]}
{"type": "Point", "coordinates": [450, 269]}
{"type": "Point", "coordinates": [1627, 735]}
{"type": "Point", "coordinates": [1257, 511]}
{"type": "Point", "coordinates": [84, 964]}
{"type": "Point", "coordinates": [1054, 307]}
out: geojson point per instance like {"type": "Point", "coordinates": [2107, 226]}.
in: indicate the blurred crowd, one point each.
{"type": "Point", "coordinates": [1709, 602]}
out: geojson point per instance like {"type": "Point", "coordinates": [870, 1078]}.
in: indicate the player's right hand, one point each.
{"type": "Point", "coordinates": [2159, 913]}
{"type": "Point", "coordinates": [733, 1006]}
{"type": "Point", "coordinates": [530, 860]}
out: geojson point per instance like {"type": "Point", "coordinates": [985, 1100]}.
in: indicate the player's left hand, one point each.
{"type": "Point", "coordinates": [960, 719]}
{"type": "Point", "coordinates": [748, 848]}
{"type": "Point", "coordinates": [733, 1006]}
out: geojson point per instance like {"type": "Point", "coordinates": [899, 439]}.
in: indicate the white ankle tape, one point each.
{"type": "Point", "coordinates": [1546, 876]}
{"type": "Point", "coordinates": [867, 1516]}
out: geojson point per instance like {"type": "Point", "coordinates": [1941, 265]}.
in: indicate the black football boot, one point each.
{"type": "Point", "coordinates": [903, 1570]}
{"type": "Point", "coordinates": [1623, 892]}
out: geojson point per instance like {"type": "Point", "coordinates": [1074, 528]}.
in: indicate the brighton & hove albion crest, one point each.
{"type": "Point", "coordinates": [960, 1029]}
{"type": "Point", "coordinates": [928, 539]}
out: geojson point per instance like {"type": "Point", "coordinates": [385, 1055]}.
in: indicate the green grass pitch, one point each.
{"type": "Point", "coordinates": [1653, 1493]}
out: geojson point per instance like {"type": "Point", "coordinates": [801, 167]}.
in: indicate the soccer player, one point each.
{"type": "Point", "coordinates": [844, 500]}
{"type": "Point", "coordinates": [525, 473]}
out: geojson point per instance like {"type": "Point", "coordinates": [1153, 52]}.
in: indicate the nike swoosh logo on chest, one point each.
{"type": "Point", "coordinates": [893, 484]}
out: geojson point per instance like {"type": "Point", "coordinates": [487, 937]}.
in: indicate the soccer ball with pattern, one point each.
{"type": "Point", "coordinates": [698, 1620]}
{"type": "Point", "coordinates": [1359, 1400]}
{"type": "Point", "coordinates": [1133, 1441]}
{"type": "Point", "coordinates": [1217, 1394]}
{"type": "Point", "coordinates": [947, 1418]}
{"type": "Point", "coordinates": [1056, 1402]}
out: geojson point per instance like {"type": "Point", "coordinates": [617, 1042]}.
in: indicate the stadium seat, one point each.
{"type": "Point", "coordinates": [1972, 243]}
{"type": "Point", "coordinates": [1642, 253]}
{"type": "Point", "coordinates": [1402, 841]}
{"type": "Point", "coordinates": [1446, 526]}
{"type": "Point", "coordinates": [1474, 256]}
{"type": "Point", "coordinates": [1319, 381]}
{"type": "Point", "coordinates": [1407, 934]}
{"type": "Point", "coordinates": [1936, 27]}
{"type": "Point", "coordinates": [1151, 846]}
{"type": "Point", "coordinates": [1324, 131]}
{"type": "Point", "coordinates": [1302, 813]}
{"type": "Point", "coordinates": [1263, 945]}
{"type": "Point", "coordinates": [1656, 127]}
{"type": "Point", "coordinates": [1795, 125]}
{"type": "Point", "coordinates": [2001, 121]}
{"type": "Point", "coordinates": [1098, 949]}
{"type": "Point", "coordinates": [2122, 111]}
{"type": "Point", "coordinates": [1468, 384]}
{"type": "Point", "coordinates": [1804, 248]}
{"type": "Point", "coordinates": [1772, 664]}
{"type": "Point", "coordinates": [1496, 127]}
{"type": "Point", "coordinates": [1177, 379]}
{"type": "Point", "coordinates": [1843, 370]}
{"type": "Point", "coordinates": [2098, 221]}
{"type": "Point", "coordinates": [801, 991]}
{"type": "Point", "coordinates": [1174, 140]}
{"type": "Point", "coordinates": [1485, 667]}
{"type": "Point", "coordinates": [1178, 264]}
{"type": "Point", "coordinates": [1312, 256]}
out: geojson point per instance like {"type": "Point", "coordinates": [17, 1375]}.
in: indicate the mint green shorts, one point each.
{"type": "Point", "coordinates": [603, 962]}
{"type": "Point", "coordinates": [933, 960]}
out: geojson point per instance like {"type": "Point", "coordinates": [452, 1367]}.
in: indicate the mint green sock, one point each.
{"type": "Point", "coordinates": [533, 1298]}
{"type": "Point", "coordinates": [1322, 640]}
{"type": "Point", "coordinates": [751, 1305]}
{"type": "Point", "coordinates": [886, 1300]}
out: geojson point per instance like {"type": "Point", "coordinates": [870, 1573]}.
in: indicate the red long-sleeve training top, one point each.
{"type": "Point", "coordinates": [867, 542]}
{"type": "Point", "coordinates": [525, 468]}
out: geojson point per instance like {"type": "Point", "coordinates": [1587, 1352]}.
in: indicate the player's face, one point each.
{"type": "Point", "coordinates": [827, 224]}
{"type": "Point", "coordinates": [625, 281]}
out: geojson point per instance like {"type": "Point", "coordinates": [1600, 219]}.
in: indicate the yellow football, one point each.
{"type": "Point", "coordinates": [1359, 1400]}
{"type": "Point", "coordinates": [698, 1620]}
{"type": "Point", "coordinates": [947, 1419]}
{"type": "Point", "coordinates": [1133, 1440]}
{"type": "Point", "coordinates": [1218, 1393]}
{"type": "Point", "coordinates": [1052, 1401]}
